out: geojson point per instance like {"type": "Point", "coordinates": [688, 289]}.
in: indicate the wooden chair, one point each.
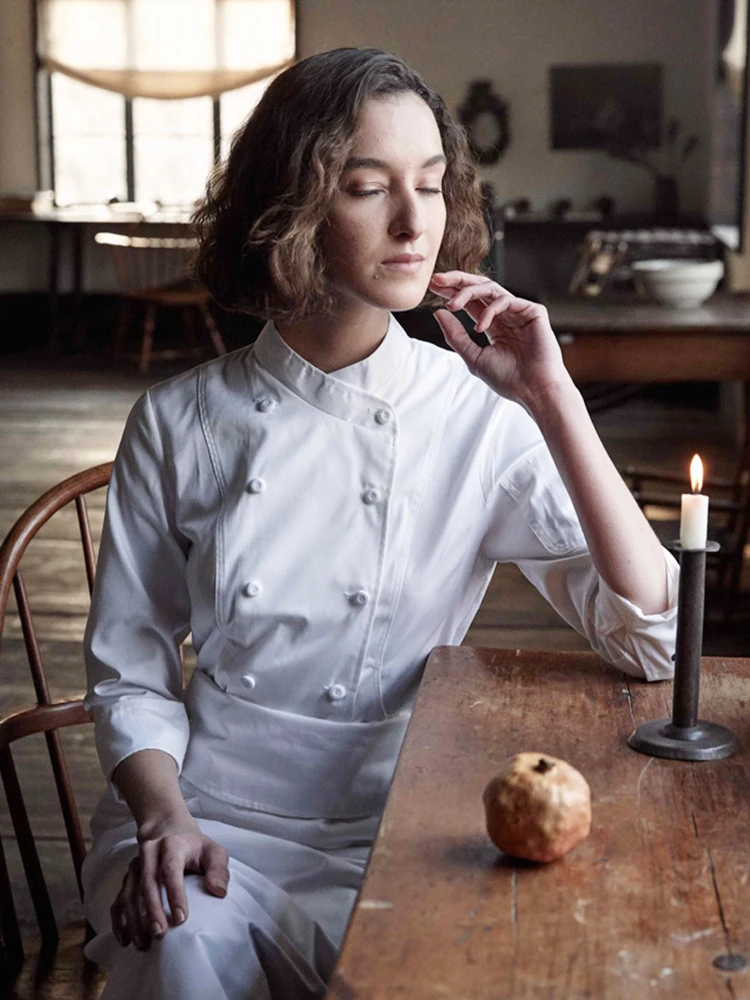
{"type": "Point", "coordinates": [152, 274]}
{"type": "Point", "coordinates": [50, 965]}
{"type": "Point", "coordinates": [658, 495]}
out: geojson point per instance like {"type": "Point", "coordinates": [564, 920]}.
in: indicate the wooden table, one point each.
{"type": "Point", "coordinates": [640, 341]}
{"type": "Point", "coordinates": [645, 907]}
{"type": "Point", "coordinates": [70, 223]}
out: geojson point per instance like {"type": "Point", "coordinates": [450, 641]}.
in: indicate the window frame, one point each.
{"type": "Point", "coordinates": [45, 130]}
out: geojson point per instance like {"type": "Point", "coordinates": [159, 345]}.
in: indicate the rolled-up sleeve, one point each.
{"type": "Point", "coordinates": [534, 524]}
{"type": "Point", "coordinates": [140, 609]}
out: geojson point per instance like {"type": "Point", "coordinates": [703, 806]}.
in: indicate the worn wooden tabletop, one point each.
{"type": "Point", "coordinates": [652, 904]}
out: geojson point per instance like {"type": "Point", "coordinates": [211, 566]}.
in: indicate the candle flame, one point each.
{"type": "Point", "coordinates": [696, 474]}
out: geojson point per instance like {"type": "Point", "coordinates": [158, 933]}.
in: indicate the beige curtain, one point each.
{"type": "Point", "coordinates": [167, 49]}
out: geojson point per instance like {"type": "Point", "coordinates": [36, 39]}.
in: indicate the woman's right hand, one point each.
{"type": "Point", "coordinates": [168, 849]}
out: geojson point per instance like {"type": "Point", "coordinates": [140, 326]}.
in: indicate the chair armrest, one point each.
{"type": "Point", "coordinates": [42, 719]}
{"type": "Point", "coordinates": [653, 475]}
{"type": "Point", "coordinates": [717, 504]}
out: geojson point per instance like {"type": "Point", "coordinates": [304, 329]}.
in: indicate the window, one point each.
{"type": "Point", "coordinates": [145, 95]}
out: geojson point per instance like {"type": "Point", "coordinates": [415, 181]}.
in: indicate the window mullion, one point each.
{"type": "Point", "coordinates": [129, 130]}
{"type": "Point", "coordinates": [129, 149]}
{"type": "Point", "coordinates": [217, 129]}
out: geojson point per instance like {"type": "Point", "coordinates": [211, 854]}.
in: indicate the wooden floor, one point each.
{"type": "Point", "coordinates": [58, 419]}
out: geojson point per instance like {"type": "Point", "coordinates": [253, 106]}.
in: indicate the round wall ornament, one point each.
{"type": "Point", "coordinates": [484, 115]}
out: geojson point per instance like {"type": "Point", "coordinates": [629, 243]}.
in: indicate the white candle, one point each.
{"type": "Point", "coordinates": [694, 510]}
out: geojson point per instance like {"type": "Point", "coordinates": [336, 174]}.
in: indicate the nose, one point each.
{"type": "Point", "coordinates": [408, 221]}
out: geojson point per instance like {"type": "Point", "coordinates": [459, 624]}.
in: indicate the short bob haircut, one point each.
{"type": "Point", "coordinates": [260, 222]}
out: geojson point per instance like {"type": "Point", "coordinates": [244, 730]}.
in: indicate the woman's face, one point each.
{"type": "Point", "coordinates": [388, 215]}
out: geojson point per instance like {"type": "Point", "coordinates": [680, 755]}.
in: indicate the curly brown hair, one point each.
{"type": "Point", "coordinates": [259, 225]}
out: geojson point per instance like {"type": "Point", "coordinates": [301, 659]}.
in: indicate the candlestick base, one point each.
{"type": "Point", "coordinates": [703, 741]}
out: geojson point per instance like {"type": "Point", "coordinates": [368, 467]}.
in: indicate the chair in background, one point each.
{"type": "Point", "coordinates": [658, 495]}
{"type": "Point", "coordinates": [55, 965]}
{"type": "Point", "coordinates": [152, 274]}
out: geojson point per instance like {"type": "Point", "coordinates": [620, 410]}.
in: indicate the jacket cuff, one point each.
{"type": "Point", "coordinates": [615, 611]}
{"type": "Point", "coordinates": [645, 641]}
{"type": "Point", "coordinates": [140, 723]}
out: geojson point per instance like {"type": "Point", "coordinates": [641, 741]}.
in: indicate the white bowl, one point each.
{"type": "Point", "coordinates": [682, 284]}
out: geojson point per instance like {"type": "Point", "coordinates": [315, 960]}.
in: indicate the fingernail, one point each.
{"type": "Point", "coordinates": [156, 930]}
{"type": "Point", "coordinates": [138, 942]}
{"type": "Point", "coordinates": [222, 886]}
{"type": "Point", "coordinates": [179, 916]}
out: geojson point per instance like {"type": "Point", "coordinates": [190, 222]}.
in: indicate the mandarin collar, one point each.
{"type": "Point", "coordinates": [349, 392]}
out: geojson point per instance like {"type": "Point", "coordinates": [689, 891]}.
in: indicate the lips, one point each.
{"type": "Point", "coordinates": [405, 258]}
{"type": "Point", "coordinates": [404, 263]}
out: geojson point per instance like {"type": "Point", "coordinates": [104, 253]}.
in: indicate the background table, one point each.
{"type": "Point", "coordinates": [640, 341]}
{"type": "Point", "coordinates": [69, 224]}
{"type": "Point", "coordinates": [642, 908]}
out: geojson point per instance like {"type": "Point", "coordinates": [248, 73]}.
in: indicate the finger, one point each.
{"type": "Point", "coordinates": [449, 292]}
{"type": "Point", "coordinates": [120, 927]}
{"type": "Point", "coordinates": [172, 877]}
{"type": "Point", "coordinates": [486, 314]}
{"type": "Point", "coordinates": [458, 338]}
{"type": "Point", "coordinates": [216, 866]}
{"type": "Point", "coordinates": [483, 294]}
{"type": "Point", "coordinates": [457, 278]}
{"type": "Point", "coordinates": [154, 918]}
{"type": "Point", "coordinates": [129, 905]}
{"type": "Point", "coordinates": [517, 313]}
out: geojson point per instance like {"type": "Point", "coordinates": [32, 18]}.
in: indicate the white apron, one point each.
{"type": "Point", "coordinates": [274, 936]}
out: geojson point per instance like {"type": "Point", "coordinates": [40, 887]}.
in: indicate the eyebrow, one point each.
{"type": "Point", "coordinates": [358, 162]}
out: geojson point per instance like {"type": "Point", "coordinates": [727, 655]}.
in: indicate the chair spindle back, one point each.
{"type": "Point", "coordinates": [45, 716]}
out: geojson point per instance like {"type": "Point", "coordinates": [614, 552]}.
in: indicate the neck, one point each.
{"type": "Point", "coordinates": [337, 340]}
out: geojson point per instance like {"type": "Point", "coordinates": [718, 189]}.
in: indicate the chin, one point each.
{"type": "Point", "coordinates": [403, 299]}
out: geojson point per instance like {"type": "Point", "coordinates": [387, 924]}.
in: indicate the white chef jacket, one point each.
{"type": "Point", "coordinates": [318, 534]}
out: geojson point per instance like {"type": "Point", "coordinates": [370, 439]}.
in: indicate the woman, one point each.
{"type": "Point", "coordinates": [320, 511]}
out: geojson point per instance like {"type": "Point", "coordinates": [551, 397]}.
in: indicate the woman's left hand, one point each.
{"type": "Point", "coordinates": [522, 359]}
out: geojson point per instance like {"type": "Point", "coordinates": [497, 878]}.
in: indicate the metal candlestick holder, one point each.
{"type": "Point", "coordinates": [684, 736]}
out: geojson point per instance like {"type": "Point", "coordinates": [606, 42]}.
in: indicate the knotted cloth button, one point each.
{"type": "Point", "coordinates": [336, 692]}
{"type": "Point", "coordinates": [249, 681]}
{"type": "Point", "coordinates": [359, 598]}
{"type": "Point", "coordinates": [382, 416]}
{"type": "Point", "coordinates": [256, 485]}
{"type": "Point", "coordinates": [266, 404]}
{"type": "Point", "coordinates": [370, 496]}
{"type": "Point", "coordinates": [251, 589]}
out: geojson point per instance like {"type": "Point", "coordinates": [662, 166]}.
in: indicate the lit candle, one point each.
{"type": "Point", "coordinates": [694, 510]}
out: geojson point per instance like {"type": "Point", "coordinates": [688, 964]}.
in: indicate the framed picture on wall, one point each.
{"type": "Point", "coordinates": [601, 107]}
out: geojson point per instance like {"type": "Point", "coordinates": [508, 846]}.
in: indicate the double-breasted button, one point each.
{"type": "Point", "coordinates": [382, 416]}
{"type": "Point", "coordinates": [336, 692]}
{"type": "Point", "coordinates": [359, 598]}
{"type": "Point", "coordinates": [256, 485]}
{"type": "Point", "coordinates": [251, 589]}
{"type": "Point", "coordinates": [249, 681]}
{"type": "Point", "coordinates": [371, 495]}
{"type": "Point", "coordinates": [265, 404]}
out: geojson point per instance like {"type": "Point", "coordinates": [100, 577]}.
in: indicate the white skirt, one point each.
{"type": "Point", "coordinates": [274, 936]}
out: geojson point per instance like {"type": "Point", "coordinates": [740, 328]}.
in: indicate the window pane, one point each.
{"type": "Point", "coordinates": [191, 117]}
{"type": "Point", "coordinates": [80, 109]}
{"type": "Point", "coordinates": [89, 135]}
{"type": "Point", "coordinates": [89, 169]}
{"type": "Point", "coordinates": [172, 169]}
{"type": "Point", "coordinates": [173, 149]}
